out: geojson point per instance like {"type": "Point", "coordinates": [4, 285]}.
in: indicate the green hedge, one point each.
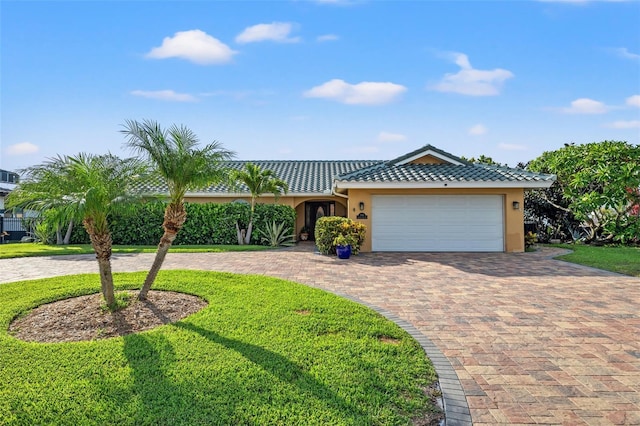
{"type": "Point", "coordinates": [210, 223]}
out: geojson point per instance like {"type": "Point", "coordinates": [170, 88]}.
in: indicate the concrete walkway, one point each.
{"type": "Point", "coordinates": [531, 340]}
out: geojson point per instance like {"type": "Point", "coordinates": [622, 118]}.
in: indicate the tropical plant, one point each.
{"type": "Point", "coordinates": [276, 235]}
{"type": "Point", "coordinates": [85, 187]}
{"type": "Point", "coordinates": [177, 160]}
{"type": "Point", "coordinates": [329, 229]}
{"type": "Point", "coordinates": [597, 183]}
{"type": "Point", "coordinates": [257, 181]}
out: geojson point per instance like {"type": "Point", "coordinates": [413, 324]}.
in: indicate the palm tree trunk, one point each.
{"type": "Point", "coordinates": [247, 237]}
{"type": "Point", "coordinates": [101, 242]}
{"type": "Point", "coordinates": [174, 218]}
{"type": "Point", "coordinates": [58, 235]}
{"type": "Point", "coordinates": [67, 236]}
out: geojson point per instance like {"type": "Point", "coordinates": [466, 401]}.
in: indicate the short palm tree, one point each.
{"type": "Point", "coordinates": [258, 182]}
{"type": "Point", "coordinates": [176, 158]}
{"type": "Point", "coordinates": [87, 188]}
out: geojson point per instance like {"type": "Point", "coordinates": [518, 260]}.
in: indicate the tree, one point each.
{"type": "Point", "coordinates": [84, 187]}
{"type": "Point", "coordinates": [176, 159]}
{"type": "Point", "coordinates": [598, 183]}
{"type": "Point", "coordinates": [257, 182]}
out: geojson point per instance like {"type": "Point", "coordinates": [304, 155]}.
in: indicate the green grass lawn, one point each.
{"type": "Point", "coordinates": [264, 351]}
{"type": "Point", "coordinates": [624, 260]}
{"type": "Point", "coordinates": [36, 249]}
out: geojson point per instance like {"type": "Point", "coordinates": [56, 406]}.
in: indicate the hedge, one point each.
{"type": "Point", "coordinates": [209, 223]}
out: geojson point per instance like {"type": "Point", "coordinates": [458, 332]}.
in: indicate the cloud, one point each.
{"type": "Point", "coordinates": [327, 37]}
{"type": "Point", "coordinates": [165, 95]}
{"type": "Point", "coordinates": [22, 148]}
{"type": "Point", "coordinates": [478, 130]}
{"type": "Point", "coordinates": [470, 81]}
{"type": "Point", "coordinates": [391, 137]}
{"type": "Point", "coordinates": [365, 93]}
{"type": "Point", "coordinates": [512, 147]}
{"type": "Point", "coordinates": [623, 52]}
{"type": "Point", "coordinates": [620, 124]}
{"type": "Point", "coordinates": [276, 31]}
{"type": "Point", "coordinates": [195, 46]}
{"type": "Point", "coordinates": [633, 101]}
{"type": "Point", "coordinates": [586, 106]}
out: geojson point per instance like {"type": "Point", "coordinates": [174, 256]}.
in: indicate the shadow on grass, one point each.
{"type": "Point", "coordinates": [285, 370]}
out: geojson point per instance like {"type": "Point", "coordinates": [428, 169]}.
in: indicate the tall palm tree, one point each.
{"type": "Point", "coordinates": [258, 182]}
{"type": "Point", "coordinates": [84, 187]}
{"type": "Point", "coordinates": [175, 155]}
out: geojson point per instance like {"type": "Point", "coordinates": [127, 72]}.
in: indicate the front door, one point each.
{"type": "Point", "coordinates": [314, 210]}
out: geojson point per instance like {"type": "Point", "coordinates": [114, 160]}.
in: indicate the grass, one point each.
{"type": "Point", "coordinates": [264, 351]}
{"type": "Point", "coordinates": [37, 249]}
{"type": "Point", "coordinates": [620, 259]}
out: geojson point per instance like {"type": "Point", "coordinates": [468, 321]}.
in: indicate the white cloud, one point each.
{"type": "Point", "coordinates": [512, 147]}
{"type": "Point", "coordinates": [391, 137]}
{"type": "Point", "coordinates": [478, 130]}
{"type": "Point", "coordinates": [22, 148]}
{"type": "Point", "coordinates": [165, 95]}
{"type": "Point", "coordinates": [586, 106]}
{"type": "Point", "coordinates": [276, 31]}
{"type": "Point", "coordinates": [633, 101]}
{"type": "Point", "coordinates": [365, 93]}
{"type": "Point", "coordinates": [195, 46]}
{"type": "Point", "coordinates": [327, 37]}
{"type": "Point", "coordinates": [470, 81]}
{"type": "Point", "coordinates": [623, 52]}
{"type": "Point", "coordinates": [620, 124]}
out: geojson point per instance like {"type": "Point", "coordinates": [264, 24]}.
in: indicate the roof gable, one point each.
{"type": "Point", "coordinates": [428, 154]}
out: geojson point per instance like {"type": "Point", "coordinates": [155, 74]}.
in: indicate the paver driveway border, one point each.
{"type": "Point", "coordinates": [532, 340]}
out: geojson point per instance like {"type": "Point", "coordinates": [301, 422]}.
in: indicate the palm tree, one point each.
{"type": "Point", "coordinates": [258, 182]}
{"type": "Point", "coordinates": [84, 187]}
{"type": "Point", "coordinates": [177, 160]}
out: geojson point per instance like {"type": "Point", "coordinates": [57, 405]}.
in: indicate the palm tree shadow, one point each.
{"type": "Point", "coordinates": [285, 370]}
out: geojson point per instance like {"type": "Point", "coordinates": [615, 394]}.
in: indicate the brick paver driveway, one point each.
{"type": "Point", "coordinates": [532, 340]}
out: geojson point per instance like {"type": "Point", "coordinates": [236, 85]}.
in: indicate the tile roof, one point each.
{"type": "Point", "coordinates": [302, 176]}
{"type": "Point", "coordinates": [389, 172]}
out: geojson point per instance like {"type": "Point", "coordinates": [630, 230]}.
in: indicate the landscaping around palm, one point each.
{"type": "Point", "coordinates": [263, 351]}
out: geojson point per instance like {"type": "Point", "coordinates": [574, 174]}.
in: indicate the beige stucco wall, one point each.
{"type": "Point", "coordinates": [514, 219]}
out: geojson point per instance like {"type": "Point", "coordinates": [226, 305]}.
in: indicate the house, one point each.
{"type": "Point", "coordinates": [426, 200]}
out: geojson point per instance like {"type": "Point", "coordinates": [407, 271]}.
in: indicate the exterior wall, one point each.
{"type": "Point", "coordinates": [428, 159]}
{"type": "Point", "coordinates": [513, 219]}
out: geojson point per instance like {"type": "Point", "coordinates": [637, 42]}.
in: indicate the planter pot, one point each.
{"type": "Point", "coordinates": [555, 241]}
{"type": "Point", "coordinates": [304, 237]}
{"type": "Point", "coordinates": [343, 252]}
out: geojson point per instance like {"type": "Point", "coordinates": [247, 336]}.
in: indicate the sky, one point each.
{"type": "Point", "coordinates": [320, 80]}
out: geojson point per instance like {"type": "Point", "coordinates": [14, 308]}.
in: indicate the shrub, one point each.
{"type": "Point", "coordinates": [207, 223]}
{"type": "Point", "coordinates": [328, 228]}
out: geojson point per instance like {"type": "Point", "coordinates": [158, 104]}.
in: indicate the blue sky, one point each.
{"type": "Point", "coordinates": [320, 79]}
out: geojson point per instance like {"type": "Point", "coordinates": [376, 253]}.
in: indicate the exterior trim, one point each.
{"type": "Point", "coordinates": [452, 184]}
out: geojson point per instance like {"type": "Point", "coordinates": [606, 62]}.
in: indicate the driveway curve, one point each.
{"type": "Point", "coordinates": [532, 340]}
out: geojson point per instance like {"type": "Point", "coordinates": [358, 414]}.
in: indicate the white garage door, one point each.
{"type": "Point", "coordinates": [437, 223]}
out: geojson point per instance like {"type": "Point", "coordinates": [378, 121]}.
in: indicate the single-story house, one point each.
{"type": "Point", "coordinates": [426, 200]}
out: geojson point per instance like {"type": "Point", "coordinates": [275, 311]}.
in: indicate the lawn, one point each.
{"type": "Point", "coordinates": [264, 351]}
{"type": "Point", "coordinates": [36, 249]}
{"type": "Point", "coordinates": [623, 260]}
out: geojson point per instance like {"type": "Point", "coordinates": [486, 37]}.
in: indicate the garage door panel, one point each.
{"type": "Point", "coordinates": [438, 223]}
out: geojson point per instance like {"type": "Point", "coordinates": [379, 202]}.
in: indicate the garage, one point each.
{"type": "Point", "coordinates": [472, 223]}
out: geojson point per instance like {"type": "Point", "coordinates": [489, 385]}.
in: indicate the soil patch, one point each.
{"type": "Point", "coordinates": [83, 318]}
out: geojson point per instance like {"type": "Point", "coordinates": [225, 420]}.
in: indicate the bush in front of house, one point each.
{"type": "Point", "coordinates": [207, 223]}
{"type": "Point", "coordinates": [328, 228]}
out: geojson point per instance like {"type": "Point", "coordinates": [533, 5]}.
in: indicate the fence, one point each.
{"type": "Point", "coordinates": [13, 227]}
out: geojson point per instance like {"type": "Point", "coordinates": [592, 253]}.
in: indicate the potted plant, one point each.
{"type": "Point", "coordinates": [343, 245]}
{"type": "Point", "coordinates": [304, 233]}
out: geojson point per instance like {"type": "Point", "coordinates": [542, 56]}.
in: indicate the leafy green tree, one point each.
{"type": "Point", "coordinates": [598, 183]}
{"type": "Point", "coordinates": [183, 166]}
{"type": "Point", "coordinates": [258, 182]}
{"type": "Point", "coordinates": [482, 159]}
{"type": "Point", "coordinates": [86, 188]}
